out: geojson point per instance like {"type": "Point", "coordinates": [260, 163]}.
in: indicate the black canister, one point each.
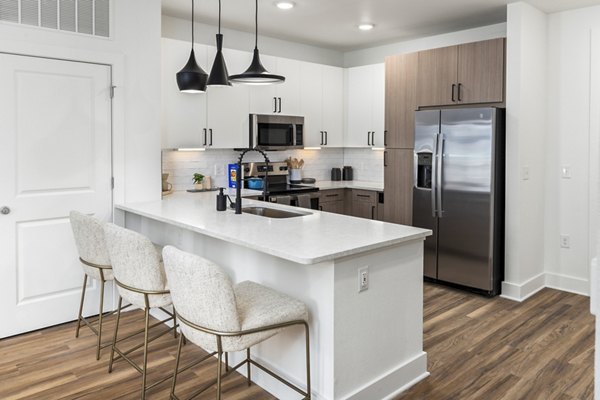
{"type": "Point", "coordinates": [336, 174]}
{"type": "Point", "coordinates": [347, 174]}
{"type": "Point", "coordinates": [221, 201]}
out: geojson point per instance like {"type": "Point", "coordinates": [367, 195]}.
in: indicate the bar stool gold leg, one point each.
{"type": "Point", "coordinates": [176, 366]}
{"type": "Point", "coordinates": [219, 366]}
{"type": "Point", "coordinates": [174, 323]}
{"type": "Point", "coordinates": [145, 367]}
{"type": "Point", "coordinates": [308, 388]}
{"type": "Point", "coordinates": [248, 376]}
{"type": "Point", "coordinates": [81, 305]}
{"type": "Point", "coordinates": [100, 317]}
{"type": "Point", "coordinates": [114, 343]}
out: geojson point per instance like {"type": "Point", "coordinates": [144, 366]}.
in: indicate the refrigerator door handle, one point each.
{"type": "Point", "coordinates": [440, 172]}
{"type": "Point", "coordinates": [434, 178]}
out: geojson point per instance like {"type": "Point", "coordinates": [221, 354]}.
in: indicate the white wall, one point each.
{"type": "Point", "coordinates": [181, 165]}
{"type": "Point", "coordinates": [134, 53]}
{"type": "Point", "coordinates": [525, 149]}
{"type": "Point", "coordinates": [374, 55]}
{"type": "Point", "coordinates": [569, 138]}
{"type": "Point", "coordinates": [176, 28]}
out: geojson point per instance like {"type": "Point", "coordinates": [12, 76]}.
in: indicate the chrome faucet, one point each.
{"type": "Point", "coordinates": [238, 179]}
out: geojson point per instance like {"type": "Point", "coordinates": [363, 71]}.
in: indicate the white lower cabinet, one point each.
{"type": "Point", "coordinates": [321, 100]}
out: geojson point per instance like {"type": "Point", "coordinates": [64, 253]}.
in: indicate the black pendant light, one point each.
{"type": "Point", "coordinates": [218, 74]}
{"type": "Point", "coordinates": [192, 78]}
{"type": "Point", "coordinates": [256, 74]}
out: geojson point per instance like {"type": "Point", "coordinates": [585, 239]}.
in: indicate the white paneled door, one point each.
{"type": "Point", "coordinates": [55, 156]}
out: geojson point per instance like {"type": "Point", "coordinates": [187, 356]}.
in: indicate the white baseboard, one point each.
{"type": "Point", "coordinates": [568, 283]}
{"type": "Point", "coordinates": [520, 292]}
{"type": "Point", "coordinates": [386, 386]}
{"type": "Point", "coordinates": [565, 283]}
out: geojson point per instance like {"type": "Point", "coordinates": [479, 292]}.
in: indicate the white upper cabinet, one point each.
{"type": "Point", "coordinates": [228, 107]}
{"type": "Point", "coordinates": [333, 105]}
{"type": "Point", "coordinates": [215, 119]}
{"type": "Point", "coordinates": [183, 114]}
{"type": "Point", "coordinates": [365, 111]}
{"type": "Point", "coordinates": [282, 98]}
{"type": "Point", "coordinates": [321, 100]}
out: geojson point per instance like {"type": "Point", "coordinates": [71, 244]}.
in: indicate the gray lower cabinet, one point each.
{"type": "Point", "coordinates": [333, 201]}
{"type": "Point", "coordinates": [364, 204]}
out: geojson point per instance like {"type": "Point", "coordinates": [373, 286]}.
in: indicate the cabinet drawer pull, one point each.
{"type": "Point", "coordinates": [363, 195]}
{"type": "Point", "coordinates": [325, 138]}
{"type": "Point", "coordinates": [373, 138]}
{"type": "Point", "coordinates": [321, 138]}
{"type": "Point", "coordinates": [204, 131]}
{"type": "Point", "coordinates": [279, 105]}
{"type": "Point", "coordinates": [275, 104]}
{"type": "Point", "coordinates": [372, 212]}
{"type": "Point", "coordinates": [453, 87]}
{"type": "Point", "coordinates": [385, 159]}
{"type": "Point", "coordinates": [332, 195]}
{"type": "Point", "coordinates": [385, 138]}
{"type": "Point", "coordinates": [459, 96]}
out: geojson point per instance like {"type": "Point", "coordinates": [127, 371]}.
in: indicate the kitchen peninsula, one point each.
{"type": "Point", "coordinates": [364, 344]}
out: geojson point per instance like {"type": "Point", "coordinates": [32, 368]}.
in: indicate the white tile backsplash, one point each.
{"type": "Point", "coordinates": [181, 165]}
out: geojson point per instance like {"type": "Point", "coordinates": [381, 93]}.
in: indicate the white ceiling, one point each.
{"type": "Point", "coordinates": [333, 23]}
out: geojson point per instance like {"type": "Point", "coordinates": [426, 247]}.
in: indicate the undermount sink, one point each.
{"type": "Point", "coordinates": [272, 212]}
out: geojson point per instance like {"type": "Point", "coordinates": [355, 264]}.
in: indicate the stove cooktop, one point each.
{"type": "Point", "coordinates": [290, 189]}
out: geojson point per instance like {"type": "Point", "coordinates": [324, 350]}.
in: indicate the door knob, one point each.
{"type": "Point", "coordinates": [5, 210]}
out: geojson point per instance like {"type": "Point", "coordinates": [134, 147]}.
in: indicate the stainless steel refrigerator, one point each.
{"type": "Point", "coordinates": [458, 193]}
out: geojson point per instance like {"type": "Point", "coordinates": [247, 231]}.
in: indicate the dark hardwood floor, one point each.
{"type": "Point", "coordinates": [477, 348]}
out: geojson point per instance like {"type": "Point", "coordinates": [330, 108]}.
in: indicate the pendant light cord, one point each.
{"type": "Point", "coordinates": [193, 24]}
{"type": "Point", "coordinates": [256, 26]}
{"type": "Point", "coordinates": [219, 17]}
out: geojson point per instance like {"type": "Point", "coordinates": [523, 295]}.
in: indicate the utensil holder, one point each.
{"type": "Point", "coordinates": [295, 175]}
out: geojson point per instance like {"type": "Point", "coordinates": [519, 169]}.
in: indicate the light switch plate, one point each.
{"type": "Point", "coordinates": [565, 172]}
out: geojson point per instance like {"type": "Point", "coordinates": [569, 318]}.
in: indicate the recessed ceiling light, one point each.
{"type": "Point", "coordinates": [285, 5]}
{"type": "Point", "coordinates": [366, 27]}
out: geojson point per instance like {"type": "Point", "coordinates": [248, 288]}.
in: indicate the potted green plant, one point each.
{"type": "Point", "coordinates": [198, 178]}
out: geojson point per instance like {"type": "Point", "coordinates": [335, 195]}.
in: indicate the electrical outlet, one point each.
{"type": "Point", "coordinates": [565, 241]}
{"type": "Point", "coordinates": [363, 279]}
{"type": "Point", "coordinates": [525, 173]}
{"type": "Point", "coordinates": [565, 172]}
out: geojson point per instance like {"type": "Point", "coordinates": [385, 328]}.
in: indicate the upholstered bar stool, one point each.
{"type": "Point", "coordinates": [93, 254]}
{"type": "Point", "coordinates": [221, 317]}
{"type": "Point", "coordinates": [140, 279]}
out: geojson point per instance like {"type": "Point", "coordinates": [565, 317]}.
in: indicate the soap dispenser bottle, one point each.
{"type": "Point", "coordinates": [221, 201]}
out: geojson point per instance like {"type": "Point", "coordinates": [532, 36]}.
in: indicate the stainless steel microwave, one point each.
{"type": "Point", "coordinates": [276, 132]}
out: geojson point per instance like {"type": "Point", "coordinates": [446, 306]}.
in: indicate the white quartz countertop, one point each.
{"type": "Point", "coordinates": [365, 185]}
{"type": "Point", "coordinates": [320, 236]}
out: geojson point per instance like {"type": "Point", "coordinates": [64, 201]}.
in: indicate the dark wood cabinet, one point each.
{"type": "Point", "coordinates": [470, 73]}
{"type": "Point", "coordinates": [364, 204]}
{"type": "Point", "coordinates": [400, 100]}
{"type": "Point", "coordinates": [481, 72]}
{"type": "Point", "coordinates": [398, 183]}
{"type": "Point", "coordinates": [333, 200]}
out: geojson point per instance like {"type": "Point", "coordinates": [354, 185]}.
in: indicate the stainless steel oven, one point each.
{"type": "Point", "coordinates": [278, 188]}
{"type": "Point", "coordinates": [276, 132]}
